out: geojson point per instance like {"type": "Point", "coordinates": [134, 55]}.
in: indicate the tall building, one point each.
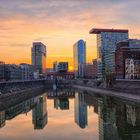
{"type": "Point", "coordinates": [39, 57]}
{"type": "Point", "coordinates": [106, 45]}
{"type": "Point", "coordinates": [79, 52]}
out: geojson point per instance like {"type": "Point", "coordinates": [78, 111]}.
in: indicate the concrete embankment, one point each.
{"type": "Point", "coordinates": [16, 91]}
{"type": "Point", "coordinates": [109, 92]}
{"type": "Point", "coordinates": [126, 86]}
{"type": "Point", "coordinates": [12, 99]}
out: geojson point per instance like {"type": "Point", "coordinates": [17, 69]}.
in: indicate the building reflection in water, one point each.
{"type": "Point", "coordinates": [128, 121]}
{"type": "Point", "coordinates": [2, 119]}
{"type": "Point", "coordinates": [61, 100]}
{"type": "Point", "coordinates": [107, 120]}
{"type": "Point", "coordinates": [39, 113]}
{"type": "Point", "coordinates": [62, 103]}
{"type": "Point", "coordinates": [80, 110]}
{"type": "Point", "coordinates": [37, 104]}
{"type": "Point", "coordinates": [118, 119]}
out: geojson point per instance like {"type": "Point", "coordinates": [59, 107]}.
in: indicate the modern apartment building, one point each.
{"type": "Point", "coordinates": [39, 57]}
{"type": "Point", "coordinates": [106, 46]}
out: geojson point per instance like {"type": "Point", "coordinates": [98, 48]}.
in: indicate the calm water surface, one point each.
{"type": "Point", "coordinates": [71, 116]}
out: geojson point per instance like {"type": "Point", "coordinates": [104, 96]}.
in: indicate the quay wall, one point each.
{"type": "Point", "coordinates": [126, 86]}
{"type": "Point", "coordinates": [15, 87]}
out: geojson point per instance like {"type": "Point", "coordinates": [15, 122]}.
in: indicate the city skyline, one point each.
{"type": "Point", "coordinates": [24, 22]}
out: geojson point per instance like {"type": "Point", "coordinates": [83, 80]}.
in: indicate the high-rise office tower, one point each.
{"type": "Point", "coordinates": [106, 45]}
{"type": "Point", "coordinates": [39, 57]}
{"type": "Point", "coordinates": [79, 52]}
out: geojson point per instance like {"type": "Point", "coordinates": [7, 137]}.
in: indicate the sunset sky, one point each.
{"type": "Point", "coordinates": [59, 24]}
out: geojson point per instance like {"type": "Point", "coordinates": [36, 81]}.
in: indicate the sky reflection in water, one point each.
{"type": "Point", "coordinates": [71, 116]}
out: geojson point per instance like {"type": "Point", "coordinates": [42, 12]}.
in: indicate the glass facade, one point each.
{"type": "Point", "coordinates": [106, 45]}
{"type": "Point", "coordinates": [39, 57]}
{"type": "Point", "coordinates": [79, 50]}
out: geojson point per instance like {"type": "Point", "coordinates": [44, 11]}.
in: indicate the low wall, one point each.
{"type": "Point", "coordinates": [128, 86]}
{"type": "Point", "coordinates": [17, 97]}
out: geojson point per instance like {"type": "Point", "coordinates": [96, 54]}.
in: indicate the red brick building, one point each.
{"type": "Point", "coordinates": [88, 70]}
{"type": "Point", "coordinates": [125, 50]}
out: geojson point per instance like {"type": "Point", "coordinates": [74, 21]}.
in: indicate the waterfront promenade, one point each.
{"type": "Point", "coordinates": [109, 92]}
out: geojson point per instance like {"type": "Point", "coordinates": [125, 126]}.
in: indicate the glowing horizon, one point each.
{"type": "Point", "coordinates": [58, 25]}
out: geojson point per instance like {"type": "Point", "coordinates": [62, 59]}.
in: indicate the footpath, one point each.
{"type": "Point", "coordinates": [109, 93]}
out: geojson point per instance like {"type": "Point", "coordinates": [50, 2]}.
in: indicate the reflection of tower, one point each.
{"type": "Point", "coordinates": [56, 102]}
{"type": "Point", "coordinates": [62, 103]}
{"type": "Point", "coordinates": [40, 117]}
{"type": "Point", "coordinates": [131, 115]}
{"type": "Point", "coordinates": [61, 100]}
{"type": "Point", "coordinates": [107, 120]}
{"type": "Point", "coordinates": [80, 110]}
{"type": "Point", "coordinates": [2, 119]}
{"type": "Point", "coordinates": [128, 121]}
